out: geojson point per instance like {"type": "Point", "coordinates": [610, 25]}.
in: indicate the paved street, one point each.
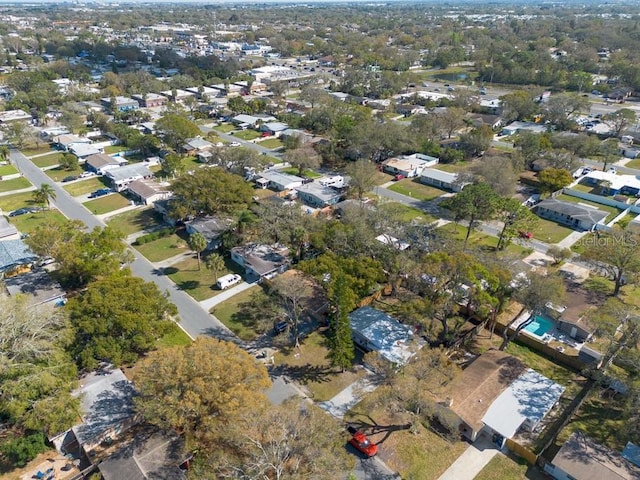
{"type": "Point", "coordinates": [193, 319]}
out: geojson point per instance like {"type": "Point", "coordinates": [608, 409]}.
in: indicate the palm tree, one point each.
{"type": "Point", "coordinates": [44, 194]}
{"type": "Point", "coordinates": [198, 243]}
{"type": "Point", "coordinates": [215, 263]}
{"type": "Point", "coordinates": [4, 152]}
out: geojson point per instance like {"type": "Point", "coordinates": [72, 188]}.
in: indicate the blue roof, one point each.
{"type": "Point", "coordinates": [14, 253]}
{"type": "Point", "coordinates": [632, 453]}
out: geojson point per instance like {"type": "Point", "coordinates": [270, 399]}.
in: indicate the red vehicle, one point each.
{"type": "Point", "coordinates": [265, 134]}
{"type": "Point", "coordinates": [399, 177]}
{"type": "Point", "coordinates": [360, 441]}
{"type": "Point", "coordinates": [526, 235]}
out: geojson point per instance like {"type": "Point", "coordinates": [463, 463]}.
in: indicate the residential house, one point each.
{"type": "Point", "coordinates": [352, 205]}
{"type": "Point", "coordinates": [614, 184]}
{"type": "Point", "coordinates": [84, 150]}
{"type": "Point", "coordinates": [10, 116]}
{"type": "Point", "coordinates": [374, 330]}
{"type": "Point", "coordinates": [230, 90]}
{"type": "Point", "coordinates": [180, 95]}
{"type": "Point", "coordinates": [163, 207]}
{"type": "Point", "coordinates": [261, 261]}
{"type": "Point", "coordinates": [203, 92]}
{"type": "Point", "coordinates": [122, 104]}
{"type": "Point", "coordinates": [498, 395]}
{"type": "Point", "coordinates": [7, 230]}
{"type": "Point", "coordinates": [274, 128]}
{"type": "Point", "coordinates": [101, 163]}
{"type": "Point", "coordinates": [278, 181]}
{"type": "Point", "coordinates": [38, 287]}
{"type": "Point", "coordinates": [408, 166]}
{"type": "Point", "coordinates": [576, 216]}
{"type": "Point", "coordinates": [106, 401]}
{"type": "Point", "coordinates": [15, 255]}
{"type": "Point", "coordinates": [211, 228]}
{"type": "Point", "coordinates": [581, 458]}
{"type": "Point", "coordinates": [148, 192]}
{"type": "Point", "coordinates": [619, 94]}
{"type": "Point", "coordinates": [251, 89]}
{"type": "Point", "coordinates": [441, 179]}
{"type": "Point", "coordinates": [515, 127]}
{"type": "Point", "coordinates": [194, 146]}
{"type": "Point", "coordinates": [65, 141]}
{"type": "Point", "coordinates": [121, 177]}
{"type": "Point", "coordinates": [317, 195]}
{"type": "Point", "coordinates": [479, 119]}
{"type": "Point", "coordinates": [150, 100]}
{"type": "Point", "coordinates": [149, 454]}
{"type": "Point", "coordinates": [386, 239]}
{"type": "Point", "coordinates": [292, 132]}
{"type": "Point", "coordinates": [245, 121]}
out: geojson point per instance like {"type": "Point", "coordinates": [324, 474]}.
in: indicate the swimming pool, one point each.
{"type": "Point", "coordinates": [540, 325]}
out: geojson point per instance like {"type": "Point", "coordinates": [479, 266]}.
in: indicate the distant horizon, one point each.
{"type": "Point", "coordinates": [251, 3]}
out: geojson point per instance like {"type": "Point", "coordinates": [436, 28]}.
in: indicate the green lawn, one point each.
{"type": "Point", "coordinates": [134, 221]}
{"type": "Point", "coordinates": [503, 468]}
{"type": "Point", "coordinates": [307, 173]}
{"type": "Point", "coordinates": [225, 128]}
{"type": "Point", "coordinates": [175, 338]}
{"type": "Point", "coordinates": [28, 222]}
{"type": "Point", "coordinates": [247, 134]}
{"type": "Point", "coordinates": [227, 313]}
{"type": "Point", "coordinates": [200, 284]}
{"type": "Point", "coordinates": [453, 167]}
{"type": "Point", "coordinates": [34, 150]}
{"type": "Point", "coordinates": [309, 366]}
{"type": "Point", "coordinates": [412, 188]}
{"type": "Point", "coordinates": [17, 200]}
{"type": "Point", "coordinates": [271, 143]}
{"type": "Point", "coordinates": [107, 204]}
{"type": "Point", "coordinates": [57, 174]}
{"type": "Point", "coordinates": [85, 186]}
{"type": "Point", "coordinates": [634, 163]}
{"type": "Point", "coordinates": [163, 248]}
{"type": "Point", "coordinates": [47, 160]}
{"type": "Point", "coordinates": [405, 213]}
{"type": "Point", "coordinates": [7, 170]}
{"type": "Point", "coordinates": [14, 184]}
{"type": "Point", "coordinates": [191, 163]}
{"type": "Point", "coordinates": [111, 149]}
{"type": "Point", "coordinates": [550, 232]}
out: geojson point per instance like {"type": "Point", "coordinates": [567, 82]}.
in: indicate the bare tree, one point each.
{"type": "Point", "coordinates": [293, 293]}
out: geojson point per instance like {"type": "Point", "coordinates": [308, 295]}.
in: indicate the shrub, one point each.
{"type": "Point", "coordinates": [21, 450]}
{"type": "Point", "coordinates": [150, 237]}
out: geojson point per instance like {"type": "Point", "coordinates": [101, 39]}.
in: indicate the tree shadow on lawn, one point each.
{"type": "Point", "coordinates": [369, 426]}
{"type": "Point", "coordinates": [308, 373]}
{"type": "Point", "coordinates": [188, 285]}
{"type": "Point", "coordinates": [169, 270]}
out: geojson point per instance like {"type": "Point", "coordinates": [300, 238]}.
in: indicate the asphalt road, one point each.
{"type": "Point", "coordinates": [193, 319]}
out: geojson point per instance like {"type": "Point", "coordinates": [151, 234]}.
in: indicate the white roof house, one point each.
{"type": "Point", "coordinates": [409, 166]}
{"type": "Point", "coordinates": [374, 330]}
{"type": "Point", "coordinates": [523, 404]}
{"type": "Point", "coordinates": [9, 116]}
{"type": "Point", "coordinates": [515, 127]}
{"type": "Point", "coordinates": [84, 150]}
{"type": "Point", "coordinates": [280, 181]}
{"type": "Point", "coordinates": [121, 177]}
{"type": "Point", "coordinates": [441, 179]}
{"type": "Point", "coordinates": [614, 181]}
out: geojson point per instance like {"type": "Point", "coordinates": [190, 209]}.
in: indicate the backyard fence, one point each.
{"type": "Point", "coordinates": [521, 451]}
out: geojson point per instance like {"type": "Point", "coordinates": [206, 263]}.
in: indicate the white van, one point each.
{"type": "Point", "coordinates": [228, 280]}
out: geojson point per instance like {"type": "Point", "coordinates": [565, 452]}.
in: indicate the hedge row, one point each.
{"type": "Point", "coordinates": [150, 237]}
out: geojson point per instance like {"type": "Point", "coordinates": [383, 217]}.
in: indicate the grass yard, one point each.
{"type": "Point", "coordinates": [175, 338]}
{"type": "Point", "coordinates": [307, 173]}
{"type": "Point", "coordinates": [163, 248]}
{"type": "Point", "coordinates": [310, 367]}
{"type": "Point", "coordinates": [36, 150]}
{"type": "Point", "coordinates": [405, 213]}
{"type": "Point", "coordinates": [200, 284]}
{"type": "Point", "coordinates": [418, 454]}
{"type": "Point", "coordinates": [111, 149]}
{"type": "Point", "coordinates": [476, 239]}
{"type": "Point", "coordinates": [504, 468]}
{"type": "Point", "coordinates": [85, 186]}
{"type": "Point", "coordinates": [107, 204]}
{"type": "Point", "coordinates": [17, 200]}
{"type": "Point", "coordinates": [550, 232]}
{"type": "Point", "coordinates": [225, 128]}
{"type": "Point", "coordinates": [28, 222]}
{"type": "Point", "coordinates": [191, 163]}
{"type": "Point", "coordinates": [47, 160]}
{"type": "Point", "coordinates": [271, 143]}
{"type": "Point", "coordinates": [247, 134]}
{"type": "Point", "coordinates": [134, 221]}
{"type": "Point", "coordinates": [227, 313]}
{"type": "Point", "coordinates": [453, 167]}
{"type": "Point", "coordinates": [57, 174]}
{"type": "Point", "coordinates": [412, 188]}
{"type": "Point", "coordinates": [14, 184]}
{"type": "Point", "coordinates": [633, 163]}
{"type": "Point", "coordinates": [7, 170]}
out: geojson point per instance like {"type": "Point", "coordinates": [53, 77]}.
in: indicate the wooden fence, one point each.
{"type": "Point", "coordinates": [521, 451]}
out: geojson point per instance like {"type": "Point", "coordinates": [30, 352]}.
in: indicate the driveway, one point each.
{"type": "Point", "coordinates": [193, 319]}
{"type": "Point", "coordinates": [472, 460]}
{"type": "Point", "coordinates": [209, 303]}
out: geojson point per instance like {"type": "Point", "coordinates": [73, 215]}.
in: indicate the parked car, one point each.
{"type": "Point", "coordinates": [612, 170]}
{"type": "Point", "coordinates": [234, 144]}
{"type": "Point", "coordinates": [87, 174]}
{"type": "Point", "coordinates": [399, 177]}
{"type": "Point", "coordinates": [69, 178]}
{"type": "Point", "coordinates": [25, 210]}
{"type": "Point", "coordinates": [100, 193]}
{"type": "Point", "coordinates": [227, 281]}
{"type": "Point", "coordinates": [265, 134]}
{"type": "Point", "coordinates": [279, 327]}
{"type": "Point", "coordinates": [524, 234]}
{"type": "Point", "coordinates": [362, 443]}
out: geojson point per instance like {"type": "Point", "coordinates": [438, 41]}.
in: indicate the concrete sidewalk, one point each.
{"type": "Point", "coordinates": [209, 303]}
{"type": "Point", "coordinates": [472, 461]}
{"type": "Point", "coordinates": [569, 240]}
{"type": "Point", "coordinates": [347, 398]}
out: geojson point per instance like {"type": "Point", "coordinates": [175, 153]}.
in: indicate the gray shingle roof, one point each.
{"type": "Point", "coordinates": [574, 210]}
{"type": "Point", "coordinates": [15, 252]}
